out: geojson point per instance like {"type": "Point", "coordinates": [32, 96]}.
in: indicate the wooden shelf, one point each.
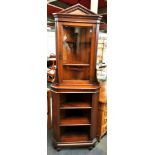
{"type": "Point", "coordinates": [74, 121]}
{"type": "Point", "coordinates": [76, 105]}
{"type": "Point", "coordinates": [74, 137]}
{"type": "Point", "coordinates": [81, 42]}
{"type": "Point", "coordinates": [76, 64]}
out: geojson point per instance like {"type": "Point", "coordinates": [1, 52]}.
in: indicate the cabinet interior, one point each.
{"type": "Point", "coordinates": [76, 100]}
{"type": "Point", "coordinates": [75, 134]}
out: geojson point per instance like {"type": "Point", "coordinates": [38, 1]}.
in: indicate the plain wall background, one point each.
{"type": "Point", "coordinates": [51, 42]}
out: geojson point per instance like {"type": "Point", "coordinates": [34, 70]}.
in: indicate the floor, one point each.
{"type": "Point", "coordinates": [99, 149]}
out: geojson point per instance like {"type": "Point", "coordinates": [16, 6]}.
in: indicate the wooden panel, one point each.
{"type": "Point", "coordinates": [80, 87]}
{"type": "Point", "coordinates": [102, 124]}
{"type": "Point", "coordinates": [94, 114]}
{"type": "Point", "coordinates": [74, 88]}
{"type": "Point", "coordinates": [49, 119]}
{"type": "Point", "coordinates": [103, 93]}
{"type": "Point", "coordinates": [78, 12]}
{"type": "Point", "coordinates": [55, 116]}
{"type": "Point", "coordinates": [102, 127]}
{"type": "Point", "coordinates": [75, 73]}
{"type": "Point", "coordinates": [58, 52]}
{"type": "Point", "coordinates": [76, 82]}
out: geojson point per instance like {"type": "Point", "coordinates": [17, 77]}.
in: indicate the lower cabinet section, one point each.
{"type": "Point", "coordinates": [75, 118]}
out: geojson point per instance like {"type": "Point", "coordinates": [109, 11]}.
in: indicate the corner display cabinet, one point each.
{"type": "Point", "coordinates": [75, 91]}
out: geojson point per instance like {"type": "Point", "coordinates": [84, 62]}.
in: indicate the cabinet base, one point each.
{"type": "Point", "coordinates": [88, 144]}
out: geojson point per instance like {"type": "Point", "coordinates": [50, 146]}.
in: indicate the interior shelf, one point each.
{"type": "Point", "coordinates": [76, 64]}
{"type": "Point", "coordinates": [74, 121]}
{"type": "Point", "coordinates": [75, 134]}
{"type": "Point", "coordinates": [80, 42]}
{"type": "Point", "coordinates": [76, 100]}
{"type": "Point", "coordinates": [75, 117]}
{"type": "Point", "coordinates": [74, 137]}
{"type": "Point", "coordinates": [75, 105]}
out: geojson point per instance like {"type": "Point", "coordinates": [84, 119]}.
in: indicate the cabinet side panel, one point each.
{"type": "Point", "coordinates": [55, 115]}
{"type": "Point", "coordinates": [59, 50]}
{"type": "Point", "coordinates": [92, 57]}
{"type": "Point", "coordinates": [94, 114]}
{"type": "Point", "coordinates": [95, 53]}
{"type": "Point", "coordinates": [57, 46]}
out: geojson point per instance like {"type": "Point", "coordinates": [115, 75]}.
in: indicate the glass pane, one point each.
{"type": "Point", "coordinates": [76, 52]}
{"type": "Point", "coordinates": [76, 45]}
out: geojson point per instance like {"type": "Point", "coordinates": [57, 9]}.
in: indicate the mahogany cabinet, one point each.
{"type": "Point", "coordinates": [75, 91]}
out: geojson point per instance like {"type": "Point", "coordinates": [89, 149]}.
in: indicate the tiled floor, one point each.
{"type": "Point", "coordinates": [99, 149]}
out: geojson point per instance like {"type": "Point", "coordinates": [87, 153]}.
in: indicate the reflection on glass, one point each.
{"type": "Point", "coordinates": [76, 44]}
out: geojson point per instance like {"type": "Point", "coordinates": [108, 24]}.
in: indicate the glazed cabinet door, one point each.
{"type": "Point", "coordinates": [76, 53]}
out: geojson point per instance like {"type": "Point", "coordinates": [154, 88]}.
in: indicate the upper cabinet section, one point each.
{"type": "Point", "coordinates": [76, 45]}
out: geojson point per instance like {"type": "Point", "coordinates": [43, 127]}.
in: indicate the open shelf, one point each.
{"type": "Point", "coordinates": [75, 117]}
{"type": "Point", "coordinates": [75, 42]}
{"type": "Point", "coordinates": [75, 105]}
{"type": "Point", "coordinates": [74, 137]}
{"type": "Point", "coordinates": [74, 121]}
{"type": "Point", "coordinates": [75, 134]}
{"type": "Point", "coordinates": [76, 64]}
{"type": "Point", "coordinates": [76, 100]}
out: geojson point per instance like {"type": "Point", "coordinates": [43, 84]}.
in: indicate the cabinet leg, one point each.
{"type": "Point", "coordinates": [98, 138]}
{"type": "Point", "coordinates": [91, 147]}
{"type": "Point", "coordinates": [58, 149]}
